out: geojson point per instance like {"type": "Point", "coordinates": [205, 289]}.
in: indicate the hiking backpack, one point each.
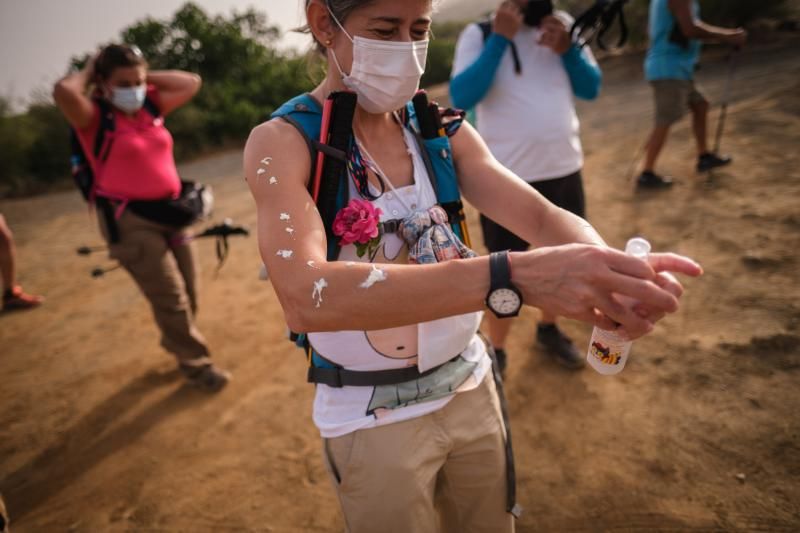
{"type": "Point", "coordinates": [82, 172]}
{"type": "Point", "coordinates": [305, 114]}
{"type": "Point", "coordinates": [194, 202]}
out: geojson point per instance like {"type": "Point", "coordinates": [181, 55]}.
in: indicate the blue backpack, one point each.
{"type": "Point", "coordinates": [305, 114]}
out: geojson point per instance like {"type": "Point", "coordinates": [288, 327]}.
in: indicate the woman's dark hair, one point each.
{"type": "Point", "coordinates": [341, 9]}
{"type": "Point", "coordinates": [116, 56]}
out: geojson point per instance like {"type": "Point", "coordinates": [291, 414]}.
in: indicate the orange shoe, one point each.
{"type": "Point", "coordinates": [15, 299]}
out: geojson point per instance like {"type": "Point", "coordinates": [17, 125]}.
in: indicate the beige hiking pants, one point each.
{"type": "Point", "coordinates": [161, 261]}
{"type": "Point", "coordinates": [442, 472]}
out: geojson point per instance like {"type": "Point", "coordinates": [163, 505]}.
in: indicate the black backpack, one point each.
{"type": "Point", "coordinates": [195, 201]}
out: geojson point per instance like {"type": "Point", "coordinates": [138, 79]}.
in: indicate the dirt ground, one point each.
{"type": "Point", "coordinates": [700, 432]}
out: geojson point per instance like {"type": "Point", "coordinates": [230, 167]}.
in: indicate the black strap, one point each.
{"type": "Point", "coordinates": [107, 211]}
{"type": "Point", "coordinates": [340, 377]}
{"type": "Point", "coordinates": [426, 160]}
{"type": "Point", "coordinates": [107, 124]}
{"type": "Point", "coordinates": [486, 29]}
{"type": "Point", "coordinates": [597, 20]}
{"type": "Point", "coordinates": [389, 226]}
{"type": "Point", "coordinates": [511, 474]}
{"type": "Point", "coordinates": [454, 210]}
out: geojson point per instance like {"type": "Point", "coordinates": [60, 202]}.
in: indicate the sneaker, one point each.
{"type": "Point", "coordinates": [502, 361]}
{"type": "Point", "coordinates": [559, 346]}
{"type": "Point", "coordinates": [15, 299]}
{"type": "Point", "coordinates": [206, 376]}
{"type": "Point", "coordinates": [651, 180]}
{"type": "Point", "coordinates": [710, 160]}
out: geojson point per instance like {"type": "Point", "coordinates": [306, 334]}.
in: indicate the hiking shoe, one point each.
{"type": "Point", "coordinates": [710, 160]}
{"type": "Point", "coordinates": [559, 347]}
{"type": "Point", "coordinates": [207, 376]}
{"type": "Point", "coordinates": [502, 361]}
{"type": "Point", "coordinates": [651, 180]}
{"type": "Point", "coordinates": [15, 299]}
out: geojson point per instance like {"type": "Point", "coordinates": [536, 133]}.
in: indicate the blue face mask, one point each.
{"type": "Point", "coordinates": [128, 99]}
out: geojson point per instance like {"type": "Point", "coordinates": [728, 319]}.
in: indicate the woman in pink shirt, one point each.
{"type": "Point", "coordinates": [135, 163]}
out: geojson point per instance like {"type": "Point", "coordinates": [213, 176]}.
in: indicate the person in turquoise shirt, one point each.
{"type": "Point", "coordinates": [676, 33]}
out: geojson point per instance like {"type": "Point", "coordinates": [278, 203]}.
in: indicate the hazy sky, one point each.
{"type": "Point", "coordinates": [38, 37]}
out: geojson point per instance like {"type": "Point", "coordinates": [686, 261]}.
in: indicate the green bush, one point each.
{"type": "Point", "coordinates": [244, 79]}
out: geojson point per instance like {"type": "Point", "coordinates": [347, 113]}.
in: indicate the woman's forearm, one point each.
{"type": "Point", "coordinates": [361, 296]}
{"type": "Point", "coordinates": [173, 80]}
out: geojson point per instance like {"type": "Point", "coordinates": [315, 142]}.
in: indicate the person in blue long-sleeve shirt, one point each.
{"type": "Point", "coordinates": [521, 73]}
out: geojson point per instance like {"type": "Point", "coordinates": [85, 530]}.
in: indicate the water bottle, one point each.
{"type": "Point", "coordinates": [608, 350]}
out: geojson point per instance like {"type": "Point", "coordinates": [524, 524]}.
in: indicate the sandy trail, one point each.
{"type": "Point", "coordinates": [97, 432]}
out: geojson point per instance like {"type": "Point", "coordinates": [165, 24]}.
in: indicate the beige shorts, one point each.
{"type": "Point", "coordinates": [673, 98]}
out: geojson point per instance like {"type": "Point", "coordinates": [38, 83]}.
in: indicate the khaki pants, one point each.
{"type": "Point", "coordinates": [161, 261]}
{"type": "Point", "coordinates": [445, 471]}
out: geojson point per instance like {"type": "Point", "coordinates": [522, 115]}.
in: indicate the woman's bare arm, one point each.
{"type": "Point", "coordinates": [576, 281]}
{"type": "Point", "coordinates": [70, 96]}
{"type": "Point", "coordinates": [505, 198]}
{"type": "Point", "coordinates": [409, 294]}
{"type": "Point", "coordinates": [175, 87]}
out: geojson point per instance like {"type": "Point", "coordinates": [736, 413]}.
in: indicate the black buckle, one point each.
{"type": "Point", "coordinates": [389, 226]}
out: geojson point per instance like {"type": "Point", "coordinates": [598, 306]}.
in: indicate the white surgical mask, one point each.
{"type": "Point", "coordinates": [129, 99]}
{"type": "Point", "coordinates": [385, 74]}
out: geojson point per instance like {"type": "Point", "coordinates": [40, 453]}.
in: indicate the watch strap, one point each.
{"type": "Point", "coordinates": [499, 270]}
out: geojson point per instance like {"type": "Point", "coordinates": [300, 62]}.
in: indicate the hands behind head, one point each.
{"type": "Point", "coordinates": [602, 286]}
{"type": "Point", "coordinates": [507, 19]}
{"type": "Point", "coordinates": [555, 35]}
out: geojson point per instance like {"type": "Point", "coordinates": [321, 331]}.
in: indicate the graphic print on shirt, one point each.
{"type": "Point", "coordinates": [394, 343]}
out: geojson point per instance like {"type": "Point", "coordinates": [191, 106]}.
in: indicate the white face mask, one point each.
{"type": "Point", "coordinates": [128, 99]}
{"type": "Point", "coordinates": [385, 75]}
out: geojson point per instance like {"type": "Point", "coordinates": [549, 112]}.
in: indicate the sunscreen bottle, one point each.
{"type": "Point", "coordinates": [608, 350]}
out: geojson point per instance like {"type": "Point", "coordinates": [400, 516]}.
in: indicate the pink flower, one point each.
{"type": "Point", "coordinates": [357, 222]}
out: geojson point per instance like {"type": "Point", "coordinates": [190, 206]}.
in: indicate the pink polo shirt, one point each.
{"type": "Point", "coordinates": [140, 164]}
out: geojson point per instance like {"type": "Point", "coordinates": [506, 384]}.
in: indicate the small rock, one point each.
{"type": "Point", "coordinates": [741, 477]}
{"type": "Point", "coordinates": [758, 260]}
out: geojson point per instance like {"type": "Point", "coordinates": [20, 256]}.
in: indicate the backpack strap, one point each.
{"type": "Point", "coordinates": [305, 115]}
{"type": "Point", "coordinates": [337, 377]}
{"type": "Point", "coordinates": [108, 124]}
{"type": "Point", "coordinates": [151, 107]}
{"type": "Point", "coordinates": [437, 156]}
{"type": "Point", "coordinates": [486, 30]}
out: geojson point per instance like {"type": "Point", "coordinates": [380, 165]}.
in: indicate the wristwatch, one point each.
{"type": "Point", "coordinates": [503, 299]}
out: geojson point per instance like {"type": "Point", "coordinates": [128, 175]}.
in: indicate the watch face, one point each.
{"type": "Point", "coordinates": [504, 301]}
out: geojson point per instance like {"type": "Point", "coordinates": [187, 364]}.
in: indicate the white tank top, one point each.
{"type": "Point", "coordinates": [338, 411]}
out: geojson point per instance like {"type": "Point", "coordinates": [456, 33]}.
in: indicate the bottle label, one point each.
{"type": "Point", "coordinates": [607, 347]}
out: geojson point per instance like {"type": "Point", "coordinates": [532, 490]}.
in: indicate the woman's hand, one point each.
{"type": "Point", "coordinates": [593, 284]}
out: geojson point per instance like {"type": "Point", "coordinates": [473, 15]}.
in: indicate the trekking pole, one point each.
{"type": "Point", "coordinates": [634, 166]}
{"type": "Point", "coordinates": [726, 98]}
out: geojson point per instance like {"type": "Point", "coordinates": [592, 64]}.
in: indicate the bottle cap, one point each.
{"type": "Point", "coordinates": [638, 247]}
